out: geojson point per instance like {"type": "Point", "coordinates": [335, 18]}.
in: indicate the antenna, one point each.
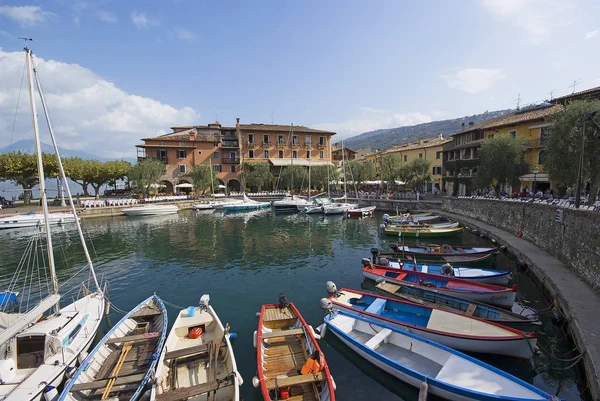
{"type": "Point", "coordinates": [518, 101]}
{"type": "Point", "coordinates": [26, 40]}
{"type": "Point", "coordinates": [272, 118]}
{"type": "Point", "coordinates": [552, 94]}
{"type": "Point", "coordinates": [575, 82]}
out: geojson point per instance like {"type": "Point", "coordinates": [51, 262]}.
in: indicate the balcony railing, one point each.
{"type": "Point", "coordinates": [229, 144]}
{"type": "Point", "coordinates": [536, 143]}
{"type": "Point", "coordinates": [230, 160]}
{"type": "Point", "coordinates": [162, 159]}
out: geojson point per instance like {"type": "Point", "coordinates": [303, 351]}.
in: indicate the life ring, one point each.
{"type": "Point", "coordinates": [446, 248]}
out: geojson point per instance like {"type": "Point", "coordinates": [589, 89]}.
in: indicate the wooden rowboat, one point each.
{"type": "Point", "coordinates": [425, 296]}
{"type": "Point", "coordinates": [463, 255]}
{"type": "Point", "coordinates": [121, 364]}
{"type": "Point", "coordinates": [419, 232]}
{"type": "Point", "coordinates": [449, 374]}
{"type": "Point", "coordinates": [197, 359]}
{"type": "Point", "coordinates": [458, 331]}
{"type": "Point", "coordinates": [480, 292]}
{"type": "Point", "coordinates": [283, 344]}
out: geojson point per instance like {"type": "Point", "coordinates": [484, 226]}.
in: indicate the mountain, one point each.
{"type": "Point", "coordinates": [28, 146]}
{"type": "Point", "coordinates": [385, 138]}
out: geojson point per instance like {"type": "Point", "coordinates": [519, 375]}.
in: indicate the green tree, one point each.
{"type": "Point", "coordinates": [501, 162]}
{"type": "Point", "coordinates": [318, 177]}
{"type": "Point", "coordinates": [258, 175]}
{"type": "Point", "coordinates": [390, 169]}
{"type": "Point", "coordinates": [564, 146]}
{"type": "Point", "coordinates": [360, 172]}
{"type": "Point", "coordinates": [204, 179]}
{"type": "Point", "coordinates": [103, 173]}
{"type": "Point", "coordinates": [75, 169]}
{"type": "Point", "coordinates": [146, 173]}
{"type": "Point", "coordinates": [22, 169]}
{"type": "Point", "coordinates": [416, 174]}
{"type": "Point", "coordinates": [299, 174]}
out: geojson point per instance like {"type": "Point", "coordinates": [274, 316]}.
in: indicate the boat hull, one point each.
{"type": "Point", "coordinates": [35, 220]}
{"type": "Point", "coordinates": [245, 206]}
{"type": "Point", "coordinates": [154, 210]}
{"type": "Point", "coordinates": [424, 232]}
{"type": "Point", "coordinates": [497, 277]}
{"type": "Point", "coordinates": [360, 212]}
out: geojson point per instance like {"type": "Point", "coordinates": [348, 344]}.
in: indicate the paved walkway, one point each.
{"type": "Point", "coordinates": [576, 299]}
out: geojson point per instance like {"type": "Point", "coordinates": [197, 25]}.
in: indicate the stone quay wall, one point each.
{"type": "Point", "coordinates": [573, 238]}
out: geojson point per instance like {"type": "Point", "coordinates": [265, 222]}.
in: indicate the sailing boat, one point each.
{"type": "Point", "coordinates": [340, 207]}
{"type": "Point", "coordinates": [36, 349]}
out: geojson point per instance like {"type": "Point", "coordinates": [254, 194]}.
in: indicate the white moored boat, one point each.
{"type": "Point", "coordinates": [34, 219]}
{"type": "Point", "coordinates": [247, 204]}
{"type": "Point", "coordinates": [197, 359]}
{"type": "Point", "coordinates": [448, 373]}
{"type": "Point", "coordinates": [338, 208]}
{"type": "Point", "coordinates": [150, 210]}
{"type": "Point", "coordinates": [290, 203]}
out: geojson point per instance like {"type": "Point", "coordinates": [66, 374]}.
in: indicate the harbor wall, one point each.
{"type": "Point", "coordinates": [398, 205]}
{"type": "Point", "coordinates": [573, 238]}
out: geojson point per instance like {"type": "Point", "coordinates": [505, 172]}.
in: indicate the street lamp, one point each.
{"type": "Point", "coordinates": [535, 171]}
{"type": "Point", "coordinates": [588, 116]}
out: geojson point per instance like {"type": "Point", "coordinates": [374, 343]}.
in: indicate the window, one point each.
{"type": "Point", "coordinates": [216, 155]}
{"type": "Point", "coordinates": [542, 157]}
{"type": "Point", "coordinates": [181, 154]}
{"type": "Point", "coordinates": [266, 154]}
{"type": "Point", "coordinates": [182, 168]}
{"type": "Point", "coordinates": [217, 168]}
{"type": "Point", "coordinates": [420, 155]}
{"type": "Point", "coordinates": [199, 152]}
{"type": "Point", "coordinates": [180, 143]}
{"type": "Point", "coordinates": [437, 170]}
{"type": "Point", "coordinates": [322, 141]}
{"type": "Point", "coordinates": [295, 154]}
{"type": "Point", "coordinates": [321, 154]}
{"type": "Point", "coordinates": [308, 154]}
{"type": "Point", "coordinates": [477, 135]}
{"type": "Point", "coordinates": [30, 351]}
{"type": "Point", "coordinates": [281, 154]}
{"type": "Point", "coordinates": [161, 154]}
{"type": "Point", "coordinates": [543, 135]}
{"type": "Point", "coordinates": [280, 140]}
{"type": "Point", "coordinates": [161, 143]}
{"type": "Point", "coordinates": [250, 154]}
{"type": "Point", "coordinates": [294, 140]}
{"type": "Point", "coordinates": [438, 155]}
{"type": "Point", "coordinates": [266, 139]}
{"type": "Point", "coordinates": [513, 133]}
{"type": "Point", "coordinates": [250, 138]}
{"type": "Point", "coordinates": [405, 158]}
{"type": "Point", "coordinates": [232, 168]}
{"type": "Point", "coordinates": [307, 140]}
{"type": "Point", "coordinates": [490, 136]}
{"type": "Point", "coordinates": [232, 155]}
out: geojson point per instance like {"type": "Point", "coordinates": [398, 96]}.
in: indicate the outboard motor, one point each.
{"type": "Point", "coordinates": [447, 270]}
{"type": "Point", "coordinates": [283, 302]}
{"type": "Point", "coordinates": [384, 262]}
{"type": "Point", "coordinates": [331, 287]}
{"type": "Point", "coordinates": [386, 217]}
{"type": "Point", "coordinates": [374, 253]}
{"type": "Point", "coordinates": [366, 262]}
{"type": "Point", "coordinates": [326, 304]}
{"type": "Point", "coordinates": [382, 226]}
{"type": "Point", "coordinates": [204, 301]}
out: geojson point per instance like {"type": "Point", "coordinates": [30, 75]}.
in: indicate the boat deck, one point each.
{"type": "Point", "coordinates": [410, 359]}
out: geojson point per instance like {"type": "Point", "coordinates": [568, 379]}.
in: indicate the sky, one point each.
{"type": "Point", "coordinates": [114, 72]}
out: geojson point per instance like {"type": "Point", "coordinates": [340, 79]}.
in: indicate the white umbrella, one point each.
{"type": "Point", "coordinates": [184, 185]}
{"type": "Point", "coordinates": [222, 186]}
{"type": "Point", "coordinates": [157, 185]}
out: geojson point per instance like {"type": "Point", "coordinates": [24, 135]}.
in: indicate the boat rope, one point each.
{"type": "Point", "coordinates": [173, 305]}
{"type": "Point", "coordinates": [116, 308]}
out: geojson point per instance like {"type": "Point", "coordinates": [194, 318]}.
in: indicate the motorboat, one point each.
{"type": "Point", "coordinates": [34, 219]}
{"type": "Point", "coordinates": [338, 208]}
{"type": "Point", "coordinates": [316, 206]}
{"type": "Point", "coordinates": [361, 211]}
{"type": "Point", "coordinates": [247, 204]}
{"type": "Point", "coordinates": [150, 210]}
{"type": "Point", "coordinates": [290, 203]}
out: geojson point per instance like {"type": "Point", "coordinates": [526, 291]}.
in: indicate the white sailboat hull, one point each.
{"type": "Point", "coordinates": [150, 210]}
{"type": "Point", "coordinates": [338, 208]}
{"type": "Point", "coordinates": [35, 220]}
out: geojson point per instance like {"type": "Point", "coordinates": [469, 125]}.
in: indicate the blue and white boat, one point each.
{"type": "Point", "coordinates": [247, 204]}
{"type": "Point", "coordinates": [448, 373]}
{"type": "Point", "coordinates": [490, 276]}
{"type": "Point", "coordinates": [124, 360]}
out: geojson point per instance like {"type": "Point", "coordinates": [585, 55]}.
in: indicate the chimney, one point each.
{"type": "Point", "coordinates": [462, 127]}
{"type": "Point", "coordinates": [471, 123]}
{"type": "Point", "coordinates": [440, 136]}
{"type": "Point", "coordinates": [237, 122]}
{"type": "Point", "coordinates": [420, 140]}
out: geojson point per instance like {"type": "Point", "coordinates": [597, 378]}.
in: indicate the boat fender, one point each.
{"type": "Point", "coordinates": [81, 357]}
{"type": "Point", "coordinates": [50, 393]}
{"type": "Point", "coordinates": [255, 382]}
{"type": "Point", "coordinates": [333, 383]}
{"type": "Point", "coordinates": [515, 288]}
{"type": "Point", "coordinates": [521, 265]}
{"type": "Point", "coordinates": [239, 377]}
{"type": "Point", "coordinates": [160, 385]}
{"type": "Point", "coordinates": [382, 226]}
{"type": "Point", "coordinates": [69, 371]}
{"type": "Point", "coordinates": [314, 333]}
{"type": "Point", "coordinates": [233, 335]}
{"type": "Point", "coordinates": [255, 338]}
{"type": "Point", "coordinates": [321, 330]}
{"type": "Point", "coordinates": [257, 314]}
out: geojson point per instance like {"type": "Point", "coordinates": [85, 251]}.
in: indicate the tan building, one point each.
{"type": "Point", "coordinates": [430, 149]}
{"type": "Point", "coordinates": [339, 154]}
{"type": "Point", "coordinates": [227, 148]}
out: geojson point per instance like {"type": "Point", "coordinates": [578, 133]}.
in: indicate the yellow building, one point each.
{"type": "Point", "coordinates": [429, 149]}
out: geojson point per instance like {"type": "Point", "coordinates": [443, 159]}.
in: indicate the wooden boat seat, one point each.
{"type": "Point", "coordinates": [98, 384]}
{"type": "Point", "coordinates": [133, 339]}
{"type": "Point", "coordinates": [295, 380]}
{"type": "Point", "coordinates": [188, 392]}
{"type": "Point", "coordinates": [378, 338]}
{"type": "Point", "coordinates": [197, 349]}
{"type": "Point", "coordinates": [283, 333]}
{"type": "Point", "coordinates": [377, 307]}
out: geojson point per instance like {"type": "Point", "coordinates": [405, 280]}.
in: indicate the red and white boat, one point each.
{"type": "Point", "coordinates": [283, 344]}
{"type": "Point", "coordinates": [361, 211]}
{"type": "Point", "coordinates": [474, 291]}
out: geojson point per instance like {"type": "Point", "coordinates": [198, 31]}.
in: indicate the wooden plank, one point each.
{"type": "Point", "coordinates": [295, 380]}
{"type": "Point", "coordinates": [471, 309]}
{"type": "Point", "coordinates": [96, 384]}
{"type": "Point", "coordinates": [187, 392]}
{"type": "Point", "coordinates": [197, 349]}
{"type": "Point", "coordinates": [134, 339]}
{"type": "Point", "coordinates": [282, 333]}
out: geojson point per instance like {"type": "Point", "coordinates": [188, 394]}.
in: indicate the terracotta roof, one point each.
{"type": "Point", "coordinates": [518, 117]}
{"type": "Point", "coordinates": [185, 136]}
{"type": "Point", "coordinates": [186, 127]}
{"type": "Point", "coordinates": [427, 143]}
{"type": "Point", "coordinates": [285, 128]}
{"type": "Point", "coordinates": [345, 148]}
{"type": "Point", "coordinates": [576, 94]}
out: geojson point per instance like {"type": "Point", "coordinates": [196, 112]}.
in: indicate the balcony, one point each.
{"type": "Point", "coordinates": [229, 144]}
{"type": "Point", "coordinates": [536, 143]}
{"type": "Point", "coordinates": [230, 160]}
{"type": "Point", "coordinates": [251, 145]}
{"type": "Point", "coordinates": [162, 159]}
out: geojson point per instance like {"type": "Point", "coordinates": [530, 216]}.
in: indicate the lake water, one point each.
{"type": "Point", "coordinates": [246, 260]}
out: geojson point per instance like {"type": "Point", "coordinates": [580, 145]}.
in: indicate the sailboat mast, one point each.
{"type": "Point", "coordinates": [41, 178]}
{"type": "Point", "coordinates": [292, 162]}
{"type": "Point", "coordinates": [344, 167]}
{"type": "Point", "coordinates": [212, 184]}
{"type": "Point", "coordinates": [64, 177]}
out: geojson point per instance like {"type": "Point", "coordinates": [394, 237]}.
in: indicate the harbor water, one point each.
{"type": "Point", "coordinates": [245, 260]}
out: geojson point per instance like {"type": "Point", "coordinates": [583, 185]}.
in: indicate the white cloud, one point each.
{"type": "Point", "coordinates": [141, 21]}
{"type": "Point", "coordinates": [106, 17]}
{"type": "Point", "coordinates": [592, 34]}
{"type": "Point", "coordinates": [88, 112]}
{"type": "Point", "coordinates": [184, 34]}
{"type": "Point", "coordinates": [474, 80]}
{"type": "Point", "coordinates": [366, 122]}
{"type": "Point", "coordinates": [537, 18]}
{"type": "Point", "coordinates": [26, 15]}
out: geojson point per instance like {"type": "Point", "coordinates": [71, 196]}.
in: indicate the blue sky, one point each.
{"type": "Point", "coordinates": [117, 71]}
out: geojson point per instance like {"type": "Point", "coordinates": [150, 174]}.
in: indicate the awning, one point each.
{"type": "Point", "coordinates": [184, 185]}
{"type": "Point", "coordinates": [540, 177]}
{"type": "Point", "coordinates": [297, 162]}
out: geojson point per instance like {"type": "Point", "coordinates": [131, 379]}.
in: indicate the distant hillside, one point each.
{"type": "Point", "coordinates": [385, 138]}
{"type": "Point", "coordinates": [28, 146]}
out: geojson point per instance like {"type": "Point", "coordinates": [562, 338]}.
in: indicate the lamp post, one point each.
{"type": "Point", "coordinates": [535, 171]}
{"type": "Point", "coordinates": [588, 116]}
